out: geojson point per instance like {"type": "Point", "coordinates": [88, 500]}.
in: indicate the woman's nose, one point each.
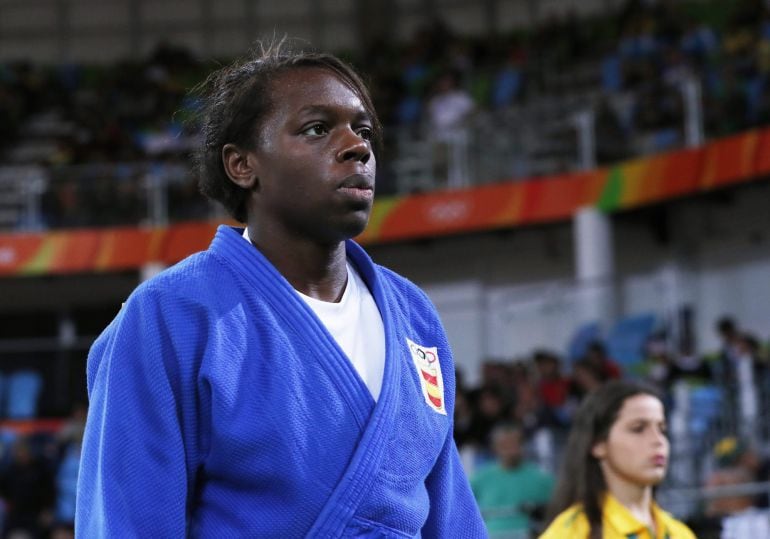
{"type": "Point", "coordinates": [354, 147]}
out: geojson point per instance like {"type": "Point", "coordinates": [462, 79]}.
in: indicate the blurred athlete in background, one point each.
{"type": "Point", "coordinates": [616, 453]}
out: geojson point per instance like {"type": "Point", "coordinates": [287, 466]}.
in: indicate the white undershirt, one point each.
{"type": "Point", "coordinates": [356, 325]}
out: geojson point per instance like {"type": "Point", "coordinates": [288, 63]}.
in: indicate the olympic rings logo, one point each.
{"type": "Point", "coordinates": [425, 355]}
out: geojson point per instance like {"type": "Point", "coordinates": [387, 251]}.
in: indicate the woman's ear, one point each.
{"type": "Point", "coordinates": [599, 450]}
{"type": "Point", "coordinates": [240, 166]}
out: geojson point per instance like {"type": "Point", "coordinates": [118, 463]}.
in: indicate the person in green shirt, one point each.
{"type": "Point", "coordinates": [510, 489]}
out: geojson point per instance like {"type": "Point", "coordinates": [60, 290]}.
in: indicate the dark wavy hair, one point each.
{"type": "Point", "coordinates": [581, 480]}
{"type": "Point", "coordinates": [237, 98]}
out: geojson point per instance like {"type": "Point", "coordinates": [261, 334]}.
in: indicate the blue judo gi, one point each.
{"type": "Point", "coordinates": [221, 407]}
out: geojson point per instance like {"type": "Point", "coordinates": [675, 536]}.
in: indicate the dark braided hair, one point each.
{"type": "Point", "coordinates": [236, 100]}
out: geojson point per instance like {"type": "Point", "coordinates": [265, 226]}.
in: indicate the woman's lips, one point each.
{"type": "Point", "coordinates": [358, 188]}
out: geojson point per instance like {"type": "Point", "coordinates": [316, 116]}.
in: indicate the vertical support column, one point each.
{"type": "Point", "coordinates": [594, 267]}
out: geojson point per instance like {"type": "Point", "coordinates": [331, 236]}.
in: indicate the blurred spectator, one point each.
{"type": "Point", "coordinates": [491, 407]}
{"type": "Point", "coordinates": [526, 402]}
{"type": "Point", "coordinates": [748, 370]}
{"type": "Point", "coordinates": [511, 491]}
{"type": "Point", "coordinates": [664, 368]}
{"type": "Point", "coordinates": [495, 373]}
{"type": "Point", "coordinates": [586, 377]}
{"type": "Point", "coordinates": [27, 489]}
{"type": "Point", "coordinates": [738, 463]}
{"type": "Point", "coordinates": [699, 41]}
{"type": "Point", "coordinates": [553, 388]}
{"type": "Point", "coordinates": [658, 363]}
{"type": "Point", "coordinates": [66, 490]}
{"type": "Point", "coordinates": [688, 365]}
{"type": "Point", "coordinates": [449, 105]}
{"type": "Point", "coordinates": [508, 83]}
{"type": "Point", "coordinates": [70, 440]}
{"type": "Point", "coordinates": [463, 418]}
{"type": "Point", "coordinates": [729, 335]}
{"type": "Point", "coordinates": [448, 110]}
{"type": "Point", "coordinates": [613, 134]}
{"type": "Point", "coordinates": [71, 431]}
{"type": "Point", "coordinates": [606, 367]}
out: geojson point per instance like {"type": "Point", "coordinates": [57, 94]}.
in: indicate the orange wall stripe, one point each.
{"type": "Point", "coordinates": [186, 238]}
{"type": "Point", "coordinates": [17, 250]}
{"type": "Point", "coordinates": [730, 160]}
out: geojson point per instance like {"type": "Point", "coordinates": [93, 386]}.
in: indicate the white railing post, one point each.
{"type": "Point", "coordinates": [33, 185]}
{"type": "Point", "coordinates": [157, 198]}
{"type": "Point", "coordinates": [693, 112]}
{"type": "Point", "coordinates": [585, 124]}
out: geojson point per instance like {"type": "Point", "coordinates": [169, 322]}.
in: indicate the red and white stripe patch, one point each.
{"type": "Point", "coordinates": [429, 373]}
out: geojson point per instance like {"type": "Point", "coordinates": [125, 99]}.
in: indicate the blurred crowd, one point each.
{"type": "Point", "coordinates": [648, 48]}
{"type": "Point", "coordinates": [38, 478]}
{"type": "Point", "coordinates": [117, 113]}
{"type": "Point", "coordinates": [634, 63]}
{"type": "Point", "coordinates": [135, 109]}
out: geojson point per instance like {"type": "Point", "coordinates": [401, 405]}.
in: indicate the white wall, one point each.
{"type": "Point", "coordinates": [461, 307]}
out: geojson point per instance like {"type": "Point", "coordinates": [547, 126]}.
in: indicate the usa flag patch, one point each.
{"type": "Point", "coordinates": [429, 372]}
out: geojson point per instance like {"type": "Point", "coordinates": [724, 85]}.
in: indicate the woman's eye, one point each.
{"type": "Point", "coordinates": [315, 129]}
{"type": "Point", "coordinates": [365, 133]}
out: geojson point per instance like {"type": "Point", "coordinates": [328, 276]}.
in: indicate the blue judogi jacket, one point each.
{"type": "Point", "coordinates": [221, 407]}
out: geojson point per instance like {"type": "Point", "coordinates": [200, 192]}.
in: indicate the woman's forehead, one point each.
{"type": "Point", "coordinates": [641, 406]}
{"type": "Point", "coordinates": [308, 87]}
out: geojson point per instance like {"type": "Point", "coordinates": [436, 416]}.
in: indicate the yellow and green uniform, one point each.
{"type": "Point", "coordinates": [617, 523]}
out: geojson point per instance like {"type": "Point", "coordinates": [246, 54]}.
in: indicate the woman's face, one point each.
{"type": "Point", "coordinates": [636, 448]}
{"type": "Point", "coordinates": [314, 160]}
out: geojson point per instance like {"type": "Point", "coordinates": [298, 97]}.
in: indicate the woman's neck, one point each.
{"type": "Point", "coordinates": [637, 499]}
{"type": "Point", "coordinates": [316, 270]}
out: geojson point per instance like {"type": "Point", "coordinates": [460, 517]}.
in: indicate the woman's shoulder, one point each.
{"type": "Point", "coordinates": [676, 528]}
{"type": "Point", "coordinates": [570, 523]}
